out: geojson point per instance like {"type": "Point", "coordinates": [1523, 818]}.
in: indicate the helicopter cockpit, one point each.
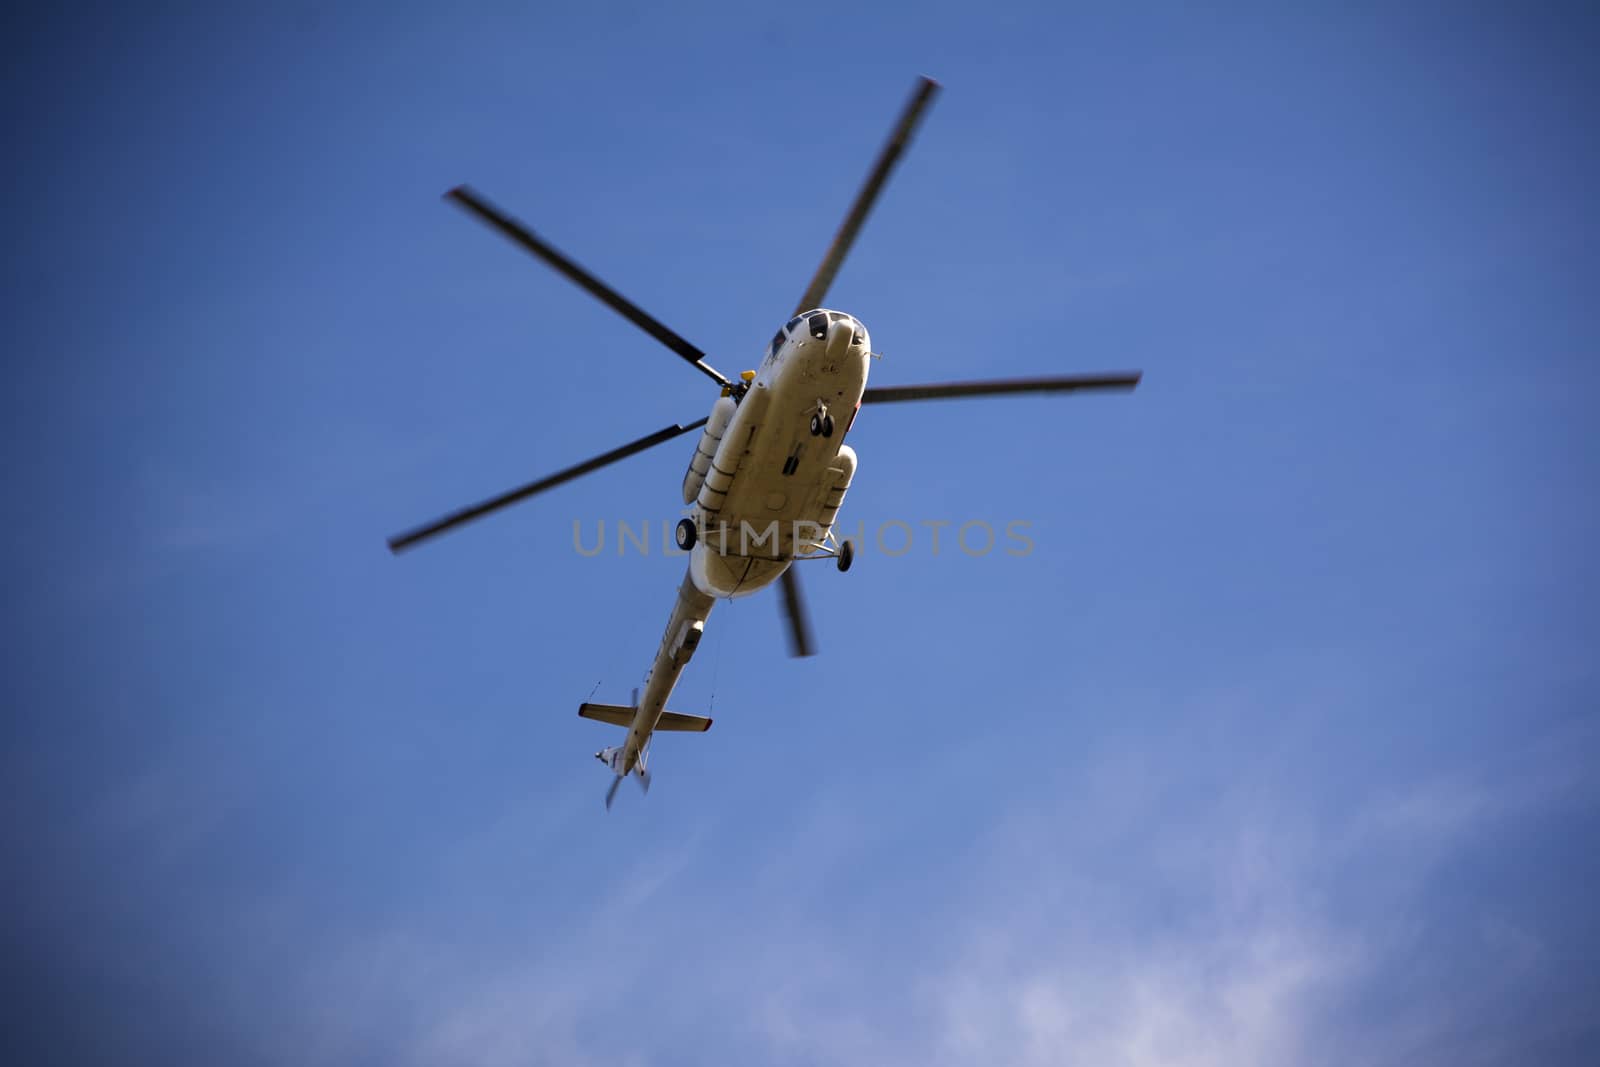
{"type": "Point", "coordinates": [816, 324]}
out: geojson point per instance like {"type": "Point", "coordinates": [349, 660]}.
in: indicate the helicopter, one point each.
{"type": "Point", "coordinates": [771, 469]}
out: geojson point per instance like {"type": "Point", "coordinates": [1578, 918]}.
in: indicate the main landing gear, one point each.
{"type": "Point", "coordinates": [843, 553]}
{"type": "Point", "coordinates": [686, 534]}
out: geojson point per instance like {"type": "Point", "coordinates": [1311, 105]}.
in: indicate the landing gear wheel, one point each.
{"type": "Point", "coordinates": [686, 534]}
{"type": "Point", "coordinates": [847, 555]}
{"type": "Point", "coordinates": [816, 426]}
{"type": "Point", "coordinates": [827, 425]}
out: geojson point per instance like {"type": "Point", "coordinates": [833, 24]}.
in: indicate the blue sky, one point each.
{"type": "Point", "coordinates": [1277, 748]}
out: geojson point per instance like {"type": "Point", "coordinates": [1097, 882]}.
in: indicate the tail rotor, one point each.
{"type": "Point", "coordinates": [614, 758]}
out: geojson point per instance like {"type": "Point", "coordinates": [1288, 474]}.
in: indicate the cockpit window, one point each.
{"type": "Point", "coordinates": [818, 325]}
{"type": "Point", "coordinates": [777, 343]}
{"type": "Point", "coordinates": [860, 335]}
{"type": "Point", "coordinates": [792, 323]}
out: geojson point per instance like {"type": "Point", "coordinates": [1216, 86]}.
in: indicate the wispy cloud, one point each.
{"type": "Point", "coordinates": [529, 1000]}
{"type": "Point", "coordinates": [1219, 938]}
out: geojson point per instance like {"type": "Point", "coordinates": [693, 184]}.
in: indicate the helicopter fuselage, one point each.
{"type": "Point", "coordinates": [778, 474]}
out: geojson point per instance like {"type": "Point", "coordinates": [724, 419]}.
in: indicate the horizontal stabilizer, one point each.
{"type": "Point", "coordinates": [671, 721]}
{"type": "Point", "coordinates": [685, 724]}
{"type": "Point", "coordinates": [615, 714]}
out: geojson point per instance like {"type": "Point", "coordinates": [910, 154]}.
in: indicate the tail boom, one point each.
{"type": "Point", "coordinates": [649, 714]}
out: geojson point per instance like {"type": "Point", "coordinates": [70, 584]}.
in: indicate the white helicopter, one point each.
{"type": "Point", "coordinates": [771, 470]}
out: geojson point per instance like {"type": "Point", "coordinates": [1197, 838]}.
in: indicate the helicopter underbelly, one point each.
{"type": "Point", "coordinates": [732, 576]}
{"type": "Point", "coordinates": [788, 482]}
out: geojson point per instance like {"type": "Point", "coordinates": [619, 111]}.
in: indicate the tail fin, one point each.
{"type": "Point", "coordinates": [613, 759]}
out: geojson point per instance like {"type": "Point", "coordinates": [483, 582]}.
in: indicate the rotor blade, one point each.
{"type": "Point", "coordinates": [868, 195]}
{"type": "Point", "coordinates": [998, 387]}
{"type": "Point", "coordinates": [794, 609]}
{"type": "Point", "coordinates": [469, 199]}
{"type": "Point", "coordinates": [477, 511]}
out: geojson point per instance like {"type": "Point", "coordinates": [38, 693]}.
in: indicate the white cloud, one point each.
{"type": "Point", "coordinates": [1235, 990]}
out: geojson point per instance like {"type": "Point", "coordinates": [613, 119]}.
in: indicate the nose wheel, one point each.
{"type": "Point", "coordinates": [822, 425]}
